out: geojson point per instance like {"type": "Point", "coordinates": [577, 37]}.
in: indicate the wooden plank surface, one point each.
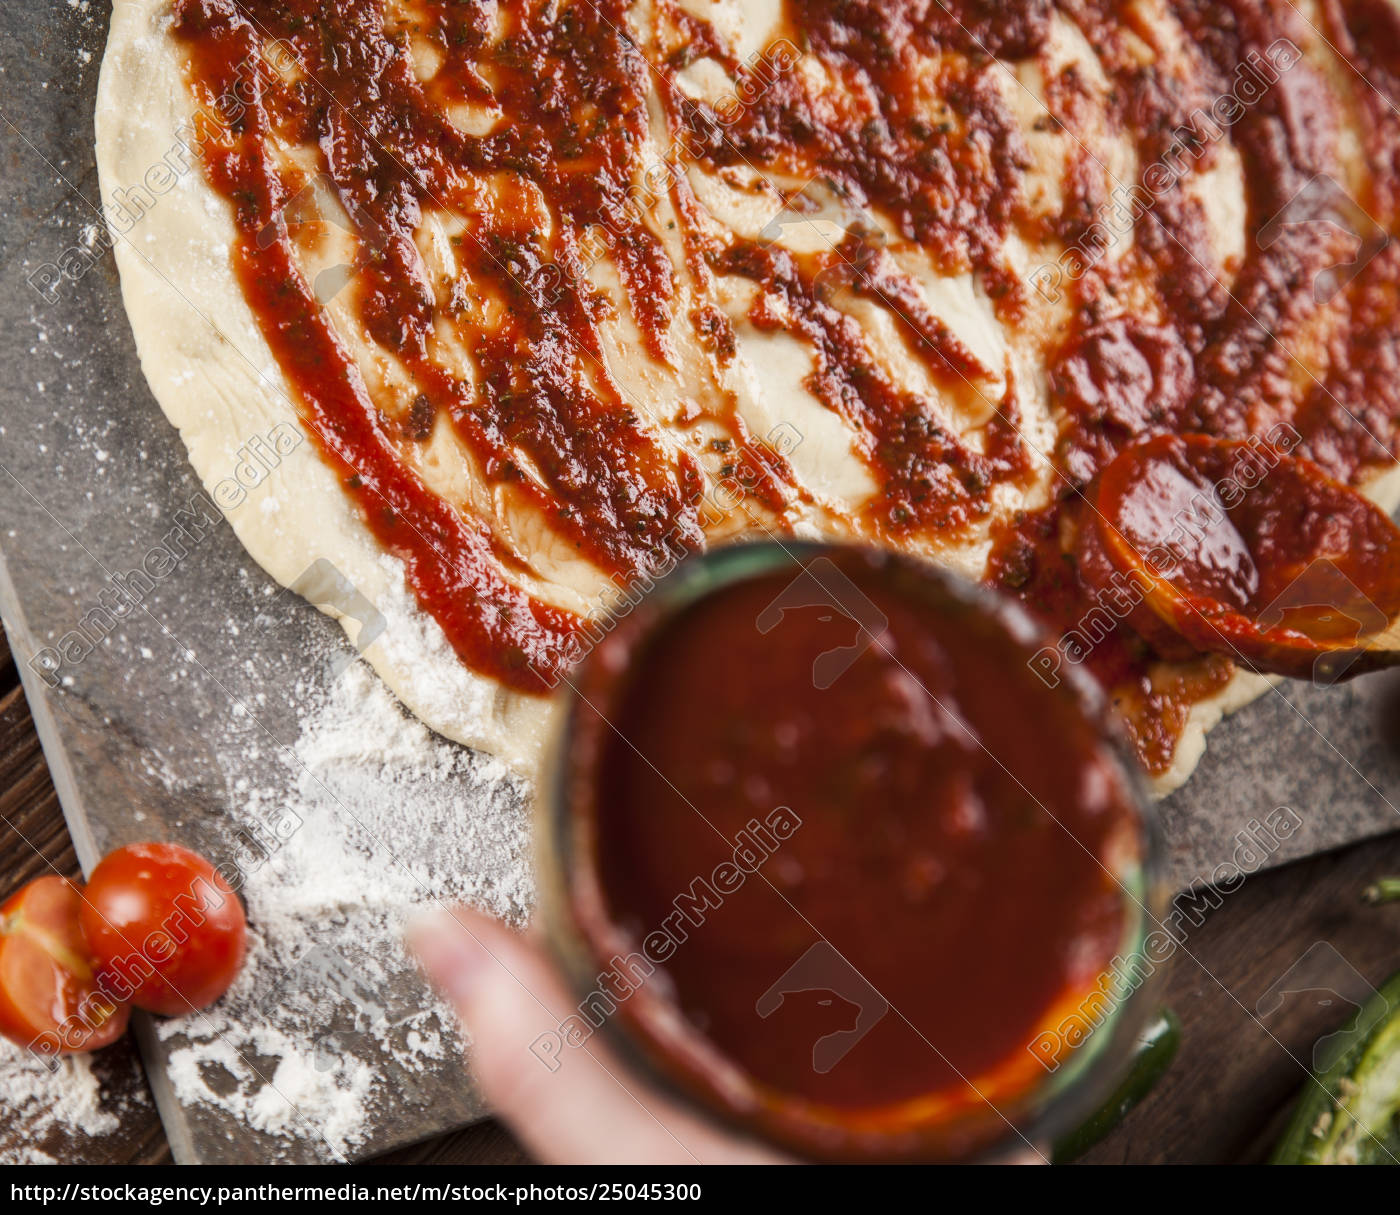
{"type": "Point", "coordinates": [1222, 1101]}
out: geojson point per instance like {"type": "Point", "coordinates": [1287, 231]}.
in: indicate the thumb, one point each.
{"type": "Point", "coordinates": [568, 1104]}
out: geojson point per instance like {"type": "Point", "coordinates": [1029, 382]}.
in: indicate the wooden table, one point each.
{"type": "Point", "coordinates": [1223, 1100]}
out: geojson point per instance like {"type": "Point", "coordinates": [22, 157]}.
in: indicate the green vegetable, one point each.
{"type": "Point", "coordinates": [1156, 1048]}
{"type": "Point", "coordinates": [1385, 890]}
{"type": "Point", "coordinates": [1349, 1113]}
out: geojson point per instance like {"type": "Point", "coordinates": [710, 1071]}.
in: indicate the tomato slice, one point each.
{"type": "Point", "coordinates": [165, 930]}
{"type": "Point", "coordinates": [1239, 549]}
{"type": "Point", "coordinates": [50, 999]}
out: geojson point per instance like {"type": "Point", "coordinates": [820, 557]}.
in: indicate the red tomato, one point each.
{"type": "Point", "coordinates": [166, 931]}
{"type": "Point", "coordinates": [50, 1001]}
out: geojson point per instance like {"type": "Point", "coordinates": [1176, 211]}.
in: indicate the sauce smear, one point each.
{"type": "Point", "coordinates": [543, 137]}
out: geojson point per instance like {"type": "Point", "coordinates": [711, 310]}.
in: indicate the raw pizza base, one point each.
{"type": "Point", "coordinates": [216, 380]}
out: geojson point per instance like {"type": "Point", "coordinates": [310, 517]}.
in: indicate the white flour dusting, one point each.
{"type": "Point", "coordinates": [368, 821]}
{"type": "Point", "coordinates": [48, 1114]}
{"type": "Point", "coordinates": [388, 819]}
{"type": "Point", "coordinates": [364, 821]}
{"type": "Point", "coordinates": [329, 1027]}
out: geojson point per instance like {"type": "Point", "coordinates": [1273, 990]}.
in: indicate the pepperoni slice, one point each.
{"type": "Point", "coordinates": [1235, 547]}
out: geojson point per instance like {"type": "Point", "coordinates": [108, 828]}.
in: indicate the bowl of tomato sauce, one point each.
{"type": "Point", "coordinates": [825, 856]}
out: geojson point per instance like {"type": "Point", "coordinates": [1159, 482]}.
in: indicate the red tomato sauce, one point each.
{"type": "Point", "coordinates": [1216, 360]}
{"type": "Point", "coordinates": [1242, 549]}
{"type": "Point", "coordinates": [941, 840]}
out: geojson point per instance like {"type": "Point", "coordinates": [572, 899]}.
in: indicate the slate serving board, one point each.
{"type": "Point", "coordinates": [139, 736]}
{"type": "Point", "coordinates": [91, 478]}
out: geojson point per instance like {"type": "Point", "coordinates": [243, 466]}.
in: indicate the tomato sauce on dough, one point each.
{"type": "Point", "coordinates": [942, 161]}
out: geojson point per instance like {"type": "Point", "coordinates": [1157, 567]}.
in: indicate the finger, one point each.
{"type": "Point", "coordinates": [567, 1104]}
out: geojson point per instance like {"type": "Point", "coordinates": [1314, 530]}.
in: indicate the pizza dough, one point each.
{"type": "Point", "coordinates": [216, 378]}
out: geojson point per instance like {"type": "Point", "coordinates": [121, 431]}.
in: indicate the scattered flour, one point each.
{"type": "Point", "coordinates": [330, 1029]}
{"type": "Point", "coordinates": [48, 1114]}
{"type": "Point", "coordinates": [366, 822]}
{"type": "Point", "coordinates": [363, 822]}
{"type": "Point", "coordinates": [347, 826]}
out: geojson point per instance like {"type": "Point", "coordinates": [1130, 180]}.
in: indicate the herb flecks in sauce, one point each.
{"type": "Point", "coordinates": [918, 119]}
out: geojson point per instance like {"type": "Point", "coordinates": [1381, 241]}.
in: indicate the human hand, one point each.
{"type": "Point", "coordinates": [588, 1110]}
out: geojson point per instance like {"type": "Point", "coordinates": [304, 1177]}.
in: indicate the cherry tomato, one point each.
{"type": "Point", "coordinates": [50, 1000]}
{"type": "Point", "coordinates": [166, 931]}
